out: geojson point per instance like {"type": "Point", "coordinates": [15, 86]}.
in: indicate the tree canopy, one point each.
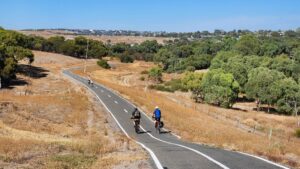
{"type": "Point", "coordinates": [220, 88]}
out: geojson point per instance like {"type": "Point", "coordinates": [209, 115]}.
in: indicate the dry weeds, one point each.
{"type": "Point", "coordinates": [54, 123]}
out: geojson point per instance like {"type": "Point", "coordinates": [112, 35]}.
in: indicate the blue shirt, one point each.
{"type": "Point", "coordinates": [157, 113]}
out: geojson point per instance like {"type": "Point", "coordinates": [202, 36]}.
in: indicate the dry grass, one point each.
{"type": "Point", "coordinates": [14, 149]}
{"type": "Point", "coordinates": [53, 123]}
{"type": "Point", "coordinates": [204, 123]}
{"type": "Point", "coordinates": [103, 38]}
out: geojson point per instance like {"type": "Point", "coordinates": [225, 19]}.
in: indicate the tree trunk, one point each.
{"type": "Point", "coordinates": [298, 119]}
{"type": "Point", "coordinates": [257, 105]}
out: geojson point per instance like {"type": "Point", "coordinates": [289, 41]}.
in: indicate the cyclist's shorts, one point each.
{"type": "Point", "coordinates": [157, 119]}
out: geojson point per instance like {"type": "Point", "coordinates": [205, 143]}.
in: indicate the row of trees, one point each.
{"type": "Point", "coordinates": [264, 69]}
{"type": "Point", "coordinates": [194, 35]}
{"type": "Point", "coordinates": [260, 68]}
{"type": "Point", "coordinates": [183, 55]}
{"type": "Point", "coordinates": [15, 46]}
{"type": "Point", "coordinates": [272, 81]}
{"type": "Point", "coordinates": [127, 53]}
{"type": "Point", "coordinates": [76, 47]}
{"type": "Point", "coordinates": [249, 76]}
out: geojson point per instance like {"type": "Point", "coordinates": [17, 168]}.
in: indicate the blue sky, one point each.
{"type": "Point", "coordinates": [152, 15]}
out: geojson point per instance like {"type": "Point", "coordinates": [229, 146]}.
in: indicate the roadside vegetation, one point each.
{"type": "Point", "coordinates": [103, 63]}
{"type": "Point", "coordinates": [263, 69]}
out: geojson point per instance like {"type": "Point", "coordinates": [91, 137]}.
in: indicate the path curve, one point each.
{"type": "Point", "coordinates": [166, 150]}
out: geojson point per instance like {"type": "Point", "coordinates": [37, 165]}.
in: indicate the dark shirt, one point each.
{"type": "Point", "coordinates": [136, 114]}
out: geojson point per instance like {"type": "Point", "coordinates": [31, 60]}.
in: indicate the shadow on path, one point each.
{"type": "Point", "coordinates": [165, 132]}
{"type": "Point", "coordinates": [143, 132]}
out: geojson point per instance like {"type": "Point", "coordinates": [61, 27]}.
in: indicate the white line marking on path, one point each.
{"type": "Point", "coordinates": [125, 110]}
{"type": "Point", "coordinates": [265, 160]}
{"type": "Point", "coordinates": [179, 145]}
{"type": "Point", "coordinates": [109, 95]}
{"type": "Point", "coordinates": [157, 163]}
{"type": "Point", "coordinates": [116, 102]}
{"type": "Point", "coordinates": [102, 91]}
{"type": "Point", "coordinates": [196, 151]}
{"type": "Point", "coordinates": [155, 159]}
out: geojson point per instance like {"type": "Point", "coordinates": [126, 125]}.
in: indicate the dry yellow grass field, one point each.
{"type": "Point", "coordinates": [103, 38]}
{"type": "Point", "coordinates": [55, 123]}
{"type": "Point", "coordinates": [202, 123]}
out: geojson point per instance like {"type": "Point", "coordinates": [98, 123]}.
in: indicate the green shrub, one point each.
{"type": "Point", "coordinates": [126, 59]}
{"type": "Point", "coordinates": [175, 84]}
{"type": "Point", "coordinates": [103, 63]}
{"type": "Point", "coordinates": [297, 132]}
{"type": "Point", "coordinates": [190, 68]}
{"type": "Point", "coordinates": [156, 74]}
{"type": "Point", "coordinates": [162, 88]}
{"type": "Point", "coordinates": [219, 88]}
{"type": "Point", "coordinates": [142, 78]}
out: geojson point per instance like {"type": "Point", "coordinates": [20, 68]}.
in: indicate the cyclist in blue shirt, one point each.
{"type": "Point", "coordinates": [157, 116]}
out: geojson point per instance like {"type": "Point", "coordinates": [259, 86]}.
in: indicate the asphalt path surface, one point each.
{"type": "Point", "coordinates": [167, 151]}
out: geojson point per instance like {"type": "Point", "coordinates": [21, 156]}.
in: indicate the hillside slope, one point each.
{"type": "Point", "coordinates": [48, 122]}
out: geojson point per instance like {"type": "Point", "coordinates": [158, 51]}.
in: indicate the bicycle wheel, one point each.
{"type": "Point", "coordinates": [157, 126]}
{"type": "Point", "coordinates": [136, 127]}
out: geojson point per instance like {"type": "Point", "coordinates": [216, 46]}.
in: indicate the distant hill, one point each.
{"type": "Point", "coordinates": [105, 38]}
{"type": "Point", "coordinates": [192, 35]}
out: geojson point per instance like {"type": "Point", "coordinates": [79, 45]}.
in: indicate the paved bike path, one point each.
{"type": "Point", "coordinates": [166, 150]}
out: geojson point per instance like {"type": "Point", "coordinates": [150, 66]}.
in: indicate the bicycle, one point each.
{"type": "Point", "coordinates": [136, 124]}
{"type": "Point", "coordinates": [91, 83]}
{"type": "Point", "coordinates": [158, 124]}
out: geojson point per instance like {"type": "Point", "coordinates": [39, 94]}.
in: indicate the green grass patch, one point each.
{"type": "Point", "coordinates": [6, 158]}
{"type": "Point", "coordinates": [176, 85]}
{"type": "Point", "coordinates": [144, 72]}
{"type": "Point", "coordinates": [170, 86]}
{"type": "Point", "coordinates": [161, 87]}
{"type": "Point", "coordinates": [72, 161]}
